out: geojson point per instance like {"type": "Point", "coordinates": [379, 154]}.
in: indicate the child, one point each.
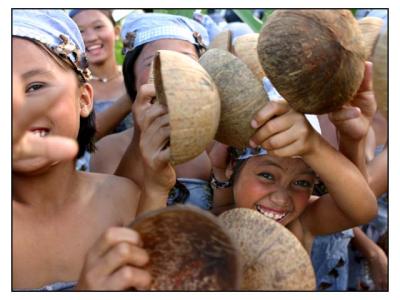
{"type": "Point", "coordinates": [143, 35]}
{"type": "Point", "coordinates": [66, 231]}
{"type": "Point", "coordinates": [277, 179]}
{"type": "Point", "coordinates": [111, 103]}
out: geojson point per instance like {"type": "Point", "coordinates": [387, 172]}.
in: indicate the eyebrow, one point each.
{"type": "Point", "coordinates": [272, 163]}
{"type": "Point", "coordinates": [35, 72]}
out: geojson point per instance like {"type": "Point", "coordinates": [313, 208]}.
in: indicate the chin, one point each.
{"type": "Point", "coordinates": [32, 166]}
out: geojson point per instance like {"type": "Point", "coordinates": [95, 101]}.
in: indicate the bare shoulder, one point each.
{"type": "Point", "coordinates": [114, 192]}
{"type": "Point", "coordinates": [110, 150]}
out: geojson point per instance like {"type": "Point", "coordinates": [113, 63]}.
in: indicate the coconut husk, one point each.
{"type": "Point", "coordinates": [370, 28]}
{"type": "Point", "coordinates": [245, 47]}
{"type": "Point", "coordinates": [379, 73]}
{"type": "Point", "coordinates": [241, 94]}
{"type": "Point", "coordinates": [189, 250]}
{"type": "Point", "coordinates": [193, 103]}
{"type": "Point", "coordinates": [272, 257]}
{"type": "Point", "coordinates": [314, 58]}
{"type": "Point", "coordinates": [223, 41]}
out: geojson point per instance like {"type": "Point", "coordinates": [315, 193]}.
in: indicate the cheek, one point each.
{"type": "Point", "coordinates": [301, 199]}
{"type": "Point", "coordinates": [247, 192]}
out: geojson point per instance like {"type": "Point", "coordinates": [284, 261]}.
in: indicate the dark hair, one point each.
{"type": "Point", "coordinates": [106, 12]}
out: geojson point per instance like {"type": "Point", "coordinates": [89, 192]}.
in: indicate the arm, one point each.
{"type": "Point", "coordinates": [146, 160]}
{"type": "Point", "coordinates": [107, 120]}
{"type": "Point", "coordinates": [376, 257]}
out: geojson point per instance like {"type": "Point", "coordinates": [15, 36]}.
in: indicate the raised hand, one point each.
{"type": "Point", "coordinates": [115, 262]}
{"type": "Point", "coordinates": [283, 131]}
{"type": "Point", "coordinates": [354, 119]}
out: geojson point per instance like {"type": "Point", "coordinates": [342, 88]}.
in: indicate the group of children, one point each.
{"type": "Point", "coordinates": [68, 224]}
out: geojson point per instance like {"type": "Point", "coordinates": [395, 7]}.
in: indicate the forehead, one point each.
{"type": "Point", "coordinates": [169, 44]}
{"type": "Point", "coordinates": [86, 17]}
{"type": "Point", "coordinates": [287, 164]}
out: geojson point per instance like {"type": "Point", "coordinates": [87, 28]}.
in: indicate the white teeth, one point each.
{"type": "Point", "coordinates": [40, 133]}
{"type": "Point", "coordinates": [272, 215]}
{"type": "Point", "coordinates": [94, 47]}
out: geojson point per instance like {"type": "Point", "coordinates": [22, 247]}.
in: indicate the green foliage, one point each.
{"type": "Point", "coordinates": [118, 52]}
{"type": "Point", "coordinates": [180, 12]}
{"type": "Point", "coordinates": [246, 15]}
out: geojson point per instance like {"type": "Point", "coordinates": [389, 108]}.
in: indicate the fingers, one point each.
{"type": "Point", "coordinates": [129, 277]}
{"type": "Point", "coordinates": [280, 140]}
{"type": "Point", "coordinates": [344, 114]}
{"type": "Point", "coordinates": [366, 84]}
{"type": "Point", "coordinates": [143, 101]}
{"type": "Point", "coordinates": [270, 110]}
{"type": "Point", "coordinates": [123, 254]}
{"type": "Point", "coordinates": [276, 125]}
{"type": "Point", "coordinates": [150, 114]}
{"type": "Point", "coordinates": [112, 237]}
{"type": "Point", "coordinates": [53, 148]}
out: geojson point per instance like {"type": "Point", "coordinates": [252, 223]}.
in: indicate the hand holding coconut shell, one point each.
{"type": "Point", "coordinates": [192, 100]}
{"type": "Point", "coordinates": [189, 250]}
{"type": "Point", "coordinates": [314, 58]}
{"type": "Point", "coordinates": [354, 120]}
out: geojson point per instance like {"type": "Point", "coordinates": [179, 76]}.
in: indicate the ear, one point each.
{"type": "Point", "coordinates": [86, 100]}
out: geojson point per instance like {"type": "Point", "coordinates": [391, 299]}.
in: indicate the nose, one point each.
{"type": "Point", "coordinates": [89, 35]}
{"type": "Point", "coordinates": [281, 198]}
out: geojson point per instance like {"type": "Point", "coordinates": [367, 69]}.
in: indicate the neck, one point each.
{"type": "Point", "coordinates": [107, 69]}
{"type": "Point", "coordinates": [48, 191]}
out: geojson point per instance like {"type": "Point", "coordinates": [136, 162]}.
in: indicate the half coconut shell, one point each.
{"type": "Point", "coordinates": [189, 250]}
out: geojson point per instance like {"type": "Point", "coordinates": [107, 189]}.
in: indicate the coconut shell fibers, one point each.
{"type": "Point", "coordinates": [272, 257]}
{"type": "Point", "coordinates": [241, 94]}
{"type": "Point", "coordinates": [193, 103]}
{"type": "Point", "coordinates": [189, 250]}
{"type": "Point", "coordinates": [379, 73]}
{"type": "Point", "coordinates": [314, 58]}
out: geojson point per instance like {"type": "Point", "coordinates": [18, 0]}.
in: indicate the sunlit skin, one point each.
{"type": "Point", "coordinates": [280, 187]}
{"type": "Point", "coordinates": [42, 78]}
{"type": "Point", "coordinates": [98, 35]}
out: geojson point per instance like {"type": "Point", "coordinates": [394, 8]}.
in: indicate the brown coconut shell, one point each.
{"type": "Point", "coordinates": [245, 47]}
{"type": "Point", "coordinates": [314, 58]}
{"type": "Point", "coordinates": [193, 103]}
{"type": "Point", "coordinates": [370, 28]}
{"type": "Point", "coordinates": [189, 250]}
{"type": "Point", "coordinates": [272, 257]}
{"type": "Point", "coordinates": [223, 41]}
{"type": "Point", "coordinates": [241, 94]}
{"type": "Point", "coordinates": [380, 74]}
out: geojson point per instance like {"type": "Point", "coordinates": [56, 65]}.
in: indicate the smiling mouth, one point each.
{"type": "Point", "coordinates": [271, 214]}
{"type": "Point", "coordinates": [94, 47]}
{"type": "Point", "coordinates": [40, 132]}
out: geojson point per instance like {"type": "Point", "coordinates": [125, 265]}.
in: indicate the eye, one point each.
{"type": "Point", "coordinates": [98, 26]}
{"type": "Point", "coordinates": [266, 175]}
{"type": "Point", "coordinates": [303, 183]}
{"type": "Point", "coordinates": [34, 87]}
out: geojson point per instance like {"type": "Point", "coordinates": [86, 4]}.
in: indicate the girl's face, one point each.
{"type": "Point", "coordinates": [42, 77]}
{"type": "Point", "coordinates": [98, 34]}
{"type": "Point", "coordinates": [142, 65]}
{"type": "Point", "coordinates": [278, 188]}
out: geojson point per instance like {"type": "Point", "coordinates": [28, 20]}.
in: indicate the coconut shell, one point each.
{"type": "Point", "coordinates": [370, 28]}
{"type": "Point", "coordinates": [223, 41]}
{"type": "Point", "coordinates": [272, 257]}
{"type": "Point", "coordinates": [189, 250]}
{"type": "Point", "coordinates": [314, 58]}
{"type": "Point", "coordinates": [379, 73]}
{"type": "Point", "coordinates": [193, 103]}
{"type": "Point", "coordinates": [245, 47]}
{"type": "Point", "coordinates": [241, 94]}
